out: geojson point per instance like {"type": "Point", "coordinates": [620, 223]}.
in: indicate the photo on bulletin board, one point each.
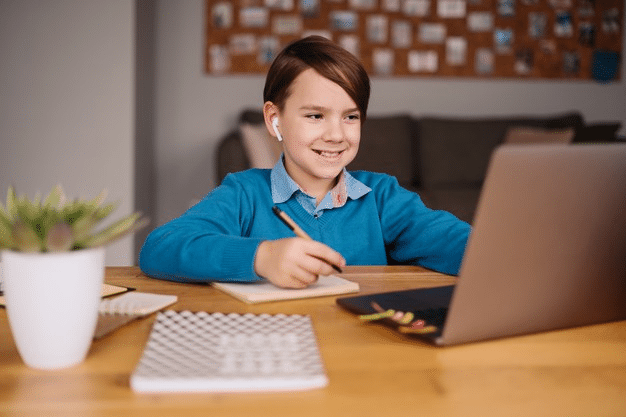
{"type": "Point", "coordinates": [520, 39]}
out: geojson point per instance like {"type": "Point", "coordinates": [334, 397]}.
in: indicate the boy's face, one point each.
{"type": "Point", "coordinates": [321, 129]}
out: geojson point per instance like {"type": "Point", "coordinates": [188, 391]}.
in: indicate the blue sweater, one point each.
{"type": "Point", "coordinates": [217, 239]}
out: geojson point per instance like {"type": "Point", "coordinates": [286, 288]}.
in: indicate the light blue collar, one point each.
{"type": "Point", "coordinates": [284, 187]}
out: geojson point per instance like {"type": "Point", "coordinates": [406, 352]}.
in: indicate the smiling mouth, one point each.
{"type": "Point", "coordinates": [328, 154]}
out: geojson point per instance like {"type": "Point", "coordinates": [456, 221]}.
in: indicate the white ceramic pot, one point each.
{"type": "Point", "coordinates": [52, 304]}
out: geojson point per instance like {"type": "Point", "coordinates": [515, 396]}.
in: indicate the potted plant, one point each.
{"type": "Point", "coordinates": [53, 270]}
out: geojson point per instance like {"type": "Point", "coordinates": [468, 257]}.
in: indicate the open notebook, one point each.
{"type": "Point", "coordinates": [263, 291]}
{"type": "Point", "coordinates": [114, 312]}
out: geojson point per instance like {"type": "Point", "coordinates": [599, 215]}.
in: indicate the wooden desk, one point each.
{"type": "Point", "coordinates": [372, 371]}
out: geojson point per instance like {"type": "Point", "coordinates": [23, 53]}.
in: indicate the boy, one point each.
{"type": "Point", "coordinates": [315, 101]}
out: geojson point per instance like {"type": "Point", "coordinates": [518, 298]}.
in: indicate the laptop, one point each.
{"type": "Point", "coordinates": [547, 250]}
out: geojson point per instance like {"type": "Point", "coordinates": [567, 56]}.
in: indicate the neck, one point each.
{"type": "Point", "coordinates": [319, 189]}
{"type": "Point", "coordinates": [313, 186]}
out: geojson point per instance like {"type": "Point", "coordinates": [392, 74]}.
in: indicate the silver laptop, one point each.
{"type": "Point", "coordinates": [547, 249]}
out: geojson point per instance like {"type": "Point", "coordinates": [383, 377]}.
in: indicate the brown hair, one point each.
{"type": "Point", "coordinates": [328, 59]}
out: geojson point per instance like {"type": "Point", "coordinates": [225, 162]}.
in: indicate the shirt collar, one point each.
{"type": "Point", "coordinates": [283, 187]}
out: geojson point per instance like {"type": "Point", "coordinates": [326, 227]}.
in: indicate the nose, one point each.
{"type": "Point", "coordinates": [334, 131]}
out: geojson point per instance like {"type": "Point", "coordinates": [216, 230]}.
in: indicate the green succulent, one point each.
{"type": "Point", "coordinates": [58, 225]}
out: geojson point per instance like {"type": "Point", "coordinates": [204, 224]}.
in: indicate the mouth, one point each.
{"type": "Point", "coordinates": [328, 154]}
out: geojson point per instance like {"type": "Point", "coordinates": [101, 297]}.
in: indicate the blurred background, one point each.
{"type": "Point", "coordinates": [113, 94]}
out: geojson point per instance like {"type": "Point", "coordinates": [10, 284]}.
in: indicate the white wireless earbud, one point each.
{"type": "Point", "coordinates": [275, 126]}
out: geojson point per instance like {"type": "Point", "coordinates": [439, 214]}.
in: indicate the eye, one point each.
{"type": "Point", "coordinates": [353, 117]}
{"type": "Point", "coordinates": [314, 116]}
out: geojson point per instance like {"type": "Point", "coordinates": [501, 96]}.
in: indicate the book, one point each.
{"type": "Point", "coordinates": [115, 312]}
{"type": "Point", "coordinates": [109, 290]}
{"type": "Point", "coordinates": [137, 303]}
{"type": "Point", "coordinates": [216, 352]}
{"type": "Point", "coordinates": [264, 291]}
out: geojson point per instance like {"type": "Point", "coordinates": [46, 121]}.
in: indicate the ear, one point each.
{"type": "Point", "coordinates": [270, 112]}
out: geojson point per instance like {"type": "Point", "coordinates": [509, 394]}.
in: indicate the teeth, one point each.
{"type": "Point", "coordinates": [328, 154]}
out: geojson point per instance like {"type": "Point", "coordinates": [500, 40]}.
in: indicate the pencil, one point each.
{"type": "Point", "coordinates": [296, 229]}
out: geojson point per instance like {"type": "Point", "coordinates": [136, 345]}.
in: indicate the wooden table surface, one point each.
{"type": "Point", "coordinates": [372, 370]}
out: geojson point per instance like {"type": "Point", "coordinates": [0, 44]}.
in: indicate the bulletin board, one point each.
{"type": "Point", "coordinates": [522, 39]}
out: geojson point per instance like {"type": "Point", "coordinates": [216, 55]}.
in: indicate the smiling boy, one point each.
{"type": "Point", "coordinates": [315, 101]}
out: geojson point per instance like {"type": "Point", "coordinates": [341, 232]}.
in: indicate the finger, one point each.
{"type": "Point", "coordinates": [316, 266]}
{"type": "Point", "coordinates": [300, 280]}
{"type": "Point", "coordinates": [305, 276]}
{"type": "Point", "coordinates": [325, 254]}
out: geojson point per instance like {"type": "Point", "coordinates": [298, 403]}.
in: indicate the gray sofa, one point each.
{"type": "Point", "coordinates": [443, 159]}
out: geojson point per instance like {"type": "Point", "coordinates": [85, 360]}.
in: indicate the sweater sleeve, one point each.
{"type": "Point", "coordinates": [417, 235]}
{"type": "Point", "coordinates": [207, 242]}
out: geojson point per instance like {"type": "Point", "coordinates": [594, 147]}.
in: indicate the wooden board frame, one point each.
{"type": "Point", "coordinates": [521, 39]}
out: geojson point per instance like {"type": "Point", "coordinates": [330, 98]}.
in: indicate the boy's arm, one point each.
{"type": "Point", "coordinates": [206, 243]}
{"type": "Point", "coordinates": [415, 234]}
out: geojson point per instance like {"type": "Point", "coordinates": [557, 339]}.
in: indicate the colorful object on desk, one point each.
{"type": "Point", "coordinates": [377, 316]}
{"type": "Point", "coordinates": [423, 329]}
{"type": "Point", "coordinates": [407, 318]}
{"type": "Point", "coordinates": [405, 321]}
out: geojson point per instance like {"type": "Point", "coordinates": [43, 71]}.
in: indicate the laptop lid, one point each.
{"type": "Point", "coordinates": [548, 245]}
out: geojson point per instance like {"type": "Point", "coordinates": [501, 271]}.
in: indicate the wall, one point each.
{"type": "Point", "coordinates": [67, 101]}
{"type": "Point", "coordinates": [145, 73]}
{"type": "Point", "coordinates": [194, 110]}
{"type": "Point", "coordinates": [73, 110]}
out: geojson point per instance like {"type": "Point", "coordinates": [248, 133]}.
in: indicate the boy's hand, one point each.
{"type": "Point", "coordinates": [295, 262]}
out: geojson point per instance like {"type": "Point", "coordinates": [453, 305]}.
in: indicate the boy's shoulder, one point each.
{"type": "Point", "coordinates": [252, 175]}
{"type": "Point", "coordinates": [372, 179]}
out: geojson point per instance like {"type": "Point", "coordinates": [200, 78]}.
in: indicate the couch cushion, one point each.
{"type": "Point", "coordinates": [457, 151]}
{"type": "Point", "coordinates": [231, 156]}
{"type": "Point", "coordinates": [262, 149]}
{"type": "Point", "coordinates": [387, 146]}
{"type": "Point", "coordinates": [461, 202]}
{"type": "Point", "coordinates": [534, 135]}
{"type": "Point", "coordinates": [599, 132]}
{"type": "Point", "coordinates": [251, 116]}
